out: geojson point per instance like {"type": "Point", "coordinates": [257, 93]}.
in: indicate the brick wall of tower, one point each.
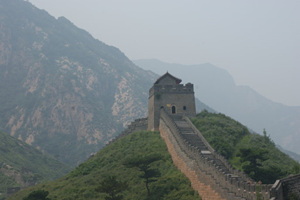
{"type": "Point", "coordinates": [175, 99]}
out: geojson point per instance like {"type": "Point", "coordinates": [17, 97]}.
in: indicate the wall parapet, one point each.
{"type": "Point", "coordinates": [140, 124]}
{"type": "Point", "coordinates": [286, 188]}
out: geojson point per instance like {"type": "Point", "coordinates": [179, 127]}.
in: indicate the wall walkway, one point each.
{"type": "Point", "coordinates": [210, 173]}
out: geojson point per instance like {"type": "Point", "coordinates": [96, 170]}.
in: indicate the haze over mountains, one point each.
{"type": "Point", "coordinates": [249, 39]}
{"type": "Point", "coordinates": [61, 90]}
{"type": "Point", "coordinates": [66, 93]}
{"type": "Point", "coordinates": [216, 88]}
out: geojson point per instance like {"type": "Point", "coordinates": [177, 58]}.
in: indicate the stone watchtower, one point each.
{"type": "Point", "coordinates": [175, 98]}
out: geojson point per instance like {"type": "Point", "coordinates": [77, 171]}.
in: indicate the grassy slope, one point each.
{"type": "Point", "coordinates": [83, 181]}
{"type": "Point", "coordinates": [230, 138]}
{"type": "Point", "coordinates": [17, 157]}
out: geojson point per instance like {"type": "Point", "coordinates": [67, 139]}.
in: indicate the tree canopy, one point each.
{"type": "Point", "coordinates": [143, 164]}
{"type": "Point", "coordinates": [112, 187]}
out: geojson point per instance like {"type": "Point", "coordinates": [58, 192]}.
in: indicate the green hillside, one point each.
{"type": "Point", "coordinates": [254, 154]}
{"type": "Point", "coordinates": [84, 182]}
{"type": "Point", "coordinates": [21, 165]}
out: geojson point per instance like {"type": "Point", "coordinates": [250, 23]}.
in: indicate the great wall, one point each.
{"type": "Point", "coordinates": [210, 174]}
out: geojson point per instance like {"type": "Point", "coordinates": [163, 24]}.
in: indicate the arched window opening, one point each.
{"type": "Point", "coordinates": [173, 110]}
{"type": "Point", "coordinates": [184, 107]}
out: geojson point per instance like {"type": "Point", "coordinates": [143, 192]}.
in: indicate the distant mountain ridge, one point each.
{"type": "Point", "coordinates": [216, 88]}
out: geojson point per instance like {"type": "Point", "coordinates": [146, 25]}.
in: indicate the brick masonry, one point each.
{"type": "Point", "coordinates": [286, 188]}
{"type": "Point", "coordinates": [205, 191]}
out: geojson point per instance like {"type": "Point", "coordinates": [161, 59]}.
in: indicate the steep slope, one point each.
{"type": "Point", "coordinates": [61, 90]}
{"type": "Point", "coordinates": [82, 183]}
{"type": "Point", "coordinates": [22, 165]}
{"type": "Point", "coordinates": [217, 89]}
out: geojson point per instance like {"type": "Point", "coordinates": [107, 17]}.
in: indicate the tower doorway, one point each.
{"type": "Point", "coordinates": [173, 110]}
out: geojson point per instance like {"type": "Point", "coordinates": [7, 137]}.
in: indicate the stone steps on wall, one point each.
{"type": "Point", "coordinates": [220, 165]}
{"type": "Point", "coordinates": [194, 140]}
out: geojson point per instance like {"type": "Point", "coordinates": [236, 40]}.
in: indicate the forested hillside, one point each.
{"type": "Point", "coordinates": [125, 163]}
{"type": "Point", "coordinates": [22, 165]}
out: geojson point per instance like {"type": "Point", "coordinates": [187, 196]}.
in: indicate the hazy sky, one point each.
{"type": "Point", "coordinates": [257, 41]}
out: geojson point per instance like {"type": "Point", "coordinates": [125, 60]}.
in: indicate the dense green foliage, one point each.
{"type": "Point", "coordinates": [144, 164]}
{"type": "Point", "coordinates": [112, 188]}
{"type": "Point", "coordinates": [37, 195]}
{"type": "Point", "coordinates": [21, 164]}
{"type": "Point", "coordinates": [256, 155]}
{"type": "Point", "coordinates": [85, 180]}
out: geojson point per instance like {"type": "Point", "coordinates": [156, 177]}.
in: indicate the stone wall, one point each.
{"type": "Point", "coordinates": [185, 164]}
{"type": "Point", "coordinates": [286, 188]}
{"type": "Point", "coordinates": [233, 185]}
{"type": "Point", "coordinates": [137, 125]}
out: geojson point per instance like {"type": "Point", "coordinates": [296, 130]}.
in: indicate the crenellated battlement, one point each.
{"type": "Point", "coordinates": [174, 89]}
{"type": "Point", "coordinates": [137, 125]}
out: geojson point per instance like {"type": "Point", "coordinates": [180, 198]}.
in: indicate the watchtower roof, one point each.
{"type": "Point", "coordinates": [167, 76]}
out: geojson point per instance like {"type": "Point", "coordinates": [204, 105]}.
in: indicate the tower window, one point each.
{"type": "Point", "coordinates": [184, 107]}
